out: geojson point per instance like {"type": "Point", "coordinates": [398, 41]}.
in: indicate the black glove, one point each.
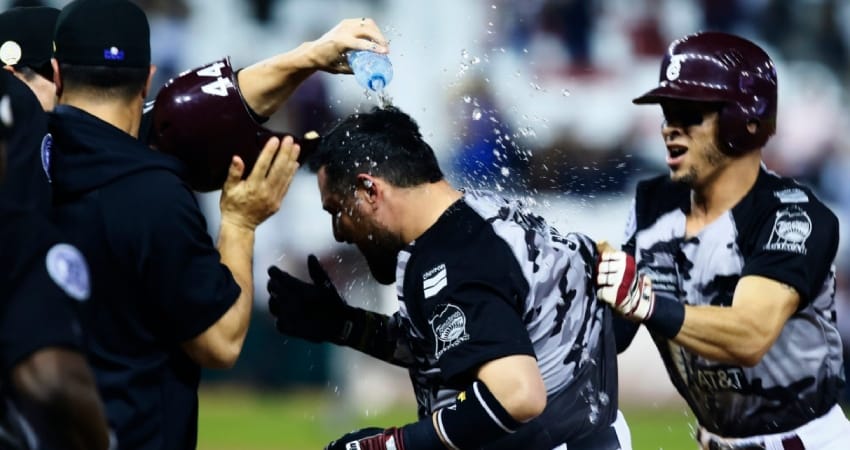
{"type": "Point", "coordinates": [370, 439]}
{"type": "Point", "coordinates": [314, 312]}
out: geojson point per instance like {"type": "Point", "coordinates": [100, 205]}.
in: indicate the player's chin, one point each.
{"type": "Point", "coordinates": [382, 265]}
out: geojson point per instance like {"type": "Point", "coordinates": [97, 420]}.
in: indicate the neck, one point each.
{"type": "Point", "coordinates": [125, 116]}
{"type": "Point", "coordinates": [422, 207]}
{"type": "Point", "coordinates": [726, 187]}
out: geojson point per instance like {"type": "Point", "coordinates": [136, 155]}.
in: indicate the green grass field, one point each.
{"type": "Point", "coordinates": [248, 420]}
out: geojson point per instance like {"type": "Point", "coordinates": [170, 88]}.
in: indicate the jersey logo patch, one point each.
{"type": "Point", "coordinates": [449, 327]}
{"type": "Point", "coordinates": [792, 195]}
{"type": "Point", "coordinates": [791, 228]}
{"type": "Point", "coordinates": [46, 146]}
{"type": "Point", "coordinates": [68, 269]}
{"type": "Point", "coordinates": [434, 280]}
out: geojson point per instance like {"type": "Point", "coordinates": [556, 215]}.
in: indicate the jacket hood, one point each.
{"type": "Point", "coordinates": [85, 153]}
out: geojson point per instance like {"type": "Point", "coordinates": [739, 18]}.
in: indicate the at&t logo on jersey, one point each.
{"type": "Point", "coordinates": [791, 228]}
{"type": "Point", "coordinates": [449, 327]}
{"type": "Point", "coordinates": [720, 379]}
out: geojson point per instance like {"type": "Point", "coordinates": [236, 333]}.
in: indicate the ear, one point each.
{"type": "Point", "coordinates": [57, 77]}
{"type": "Point", "coordinates": [753, 126]}
{"type": "Point", "coordinates": [370, 186]}
{"type": "Point", "coordinates": [148, 83]}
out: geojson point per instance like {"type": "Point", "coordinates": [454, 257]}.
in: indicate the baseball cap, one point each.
{"type": "Point", "coordinates": [26, 37]}
{"type": "Point", "coordinates": [111, 33]}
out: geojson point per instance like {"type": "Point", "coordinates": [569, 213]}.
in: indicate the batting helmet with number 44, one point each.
{"type": "Point", "coordinates": [201, 118]}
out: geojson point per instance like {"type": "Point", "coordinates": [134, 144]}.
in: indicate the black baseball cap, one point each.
{"type": "Point", "coordinates": [111, 33]}
{"type": "Point", "coordinates": [26, 37]}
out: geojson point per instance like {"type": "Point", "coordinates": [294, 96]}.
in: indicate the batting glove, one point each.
{"type": "Point", "coordinates": [370, 439]}
{"type": "Point", "coordinates": [620, 286]}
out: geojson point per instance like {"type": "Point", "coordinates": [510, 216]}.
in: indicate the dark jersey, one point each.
{"type": "Point", "coordinates": [490, 280]}
{"type": "Point", "coordinates": [779, 230]}
{"type": "Point", "coordinates": [42, 280]}
{"type": "Point", "coordinates": [157, 277]}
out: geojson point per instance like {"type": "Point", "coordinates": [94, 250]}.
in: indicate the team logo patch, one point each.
{"type": "Point", "coordinates": [449, 327]}
{"type": "Point", "coordinates": [46, 147]}
{"type": "Point", "coordinates": [10, 53]}
{"type": "Point", "coordinates": [792, 195]}
{"type": "Point", "coordinates": [791, 228]}
{"type": "Point", "coordinates": [434, 280]}
{"type": "Point", "coordinates": [68, 269]}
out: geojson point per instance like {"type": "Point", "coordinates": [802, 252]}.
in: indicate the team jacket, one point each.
{"type": "Point", "coordinates": [779, 230]}
{"type": "Point", "coordinates": [489, 279]}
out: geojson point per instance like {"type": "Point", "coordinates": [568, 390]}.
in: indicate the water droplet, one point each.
{"type": "Point", "coordinates": [622, 165]}
{"type": "Point", "coordinates": [475, 60]}
{"type": "Point", "coordinates": [535, 86]}
{"type": "Point", "coordinates": [565, 92]}
{"type": "Point", "coordinates": [493, 6]}
{"type": "Point", "coordinates": [489, 24]}
{"type": "Point", "coordinates": [506, 172]}
{"type": "Point", "coordinates": [464, 54]}
{"type": "Point", "coordinates": [467, 99]}
{"type": "Point", "coordinates": [525, 50]}
{"type": "Point", "coordinates": [603, 398]}
{"type": "Point", "coordinates": [476, 114]}
{"type": "Point", "coordinates": [517, 74]}
{"type": "Point", "coordinates": [527, 131]}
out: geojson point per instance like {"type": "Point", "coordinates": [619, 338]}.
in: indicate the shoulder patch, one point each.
{"type": "Point", "coordinates": [68, 269]}
{"type": "Point", "coordinates": [46, 147]}
{"type": "Point", "coordinates": [791, 195]}
{"type": "Point", "coordinates": [434, 280]}
{"type": "Point", "coordinates": [792, 227]}
{"type": "Point", "coordinates": [449, 326]}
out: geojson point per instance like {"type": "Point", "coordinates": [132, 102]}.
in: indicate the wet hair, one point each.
{"type": "Point", "coordinates": [384, 142]}
{"type": "Point", "coordinates": [121, 83]}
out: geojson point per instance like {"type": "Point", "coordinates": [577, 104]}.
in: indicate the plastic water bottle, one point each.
{"type": "Point", "coordinates": [372, 70]}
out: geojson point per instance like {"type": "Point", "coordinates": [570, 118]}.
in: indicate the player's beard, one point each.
{"type": "Point", "coordinates": [712, 158]}
{"type": "Point", "coordinates": [381, 254]}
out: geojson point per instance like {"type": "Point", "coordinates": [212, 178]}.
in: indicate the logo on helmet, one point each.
{"type": "Point", "coordinates": [675, 67]}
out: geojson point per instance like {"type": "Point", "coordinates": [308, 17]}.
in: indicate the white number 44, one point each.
{"type": "Point", "coordinates": [218, 87]}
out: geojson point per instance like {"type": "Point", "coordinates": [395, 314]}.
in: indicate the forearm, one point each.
{"type": "Point", "coordinates": [236, 246]}
{"type": "Point", "coordinates": [267, 84]}
{"type": "Point", "coordinates": [57, 389]}
{"type": "Point", "coordinates": [375, 335]}
{"type": "Point", "coordinates": [722, 334]}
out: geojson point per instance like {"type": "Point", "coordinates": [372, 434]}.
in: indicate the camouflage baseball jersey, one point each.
{"type": "Point", "coordinates": [489, 279]}
{"type": "Point", "coordinates": [779, 230]}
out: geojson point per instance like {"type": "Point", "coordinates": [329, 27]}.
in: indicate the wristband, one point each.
{"type": "Point", "coordinates": [667, 317]}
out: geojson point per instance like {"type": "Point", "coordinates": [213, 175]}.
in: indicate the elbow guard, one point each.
{"type": "Point", "coordinates": [476, 418]}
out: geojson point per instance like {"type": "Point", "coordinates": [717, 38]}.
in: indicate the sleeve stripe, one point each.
{"type": "Point", "coordinates": [442, 431]}
{"type": "Point", "coordinates": [489, 411]}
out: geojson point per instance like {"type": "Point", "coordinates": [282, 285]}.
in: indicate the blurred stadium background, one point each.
{"type": "Point", "coordinates": [528, 97]}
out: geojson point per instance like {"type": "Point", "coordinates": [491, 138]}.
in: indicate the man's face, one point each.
{"type": "Point", "coordinates": [690, 131]}
{"type": "Point", "coordinates": [354, 221]}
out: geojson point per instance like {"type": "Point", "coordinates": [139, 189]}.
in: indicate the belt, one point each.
{"type": "Point", "coordinates": [792, 442]}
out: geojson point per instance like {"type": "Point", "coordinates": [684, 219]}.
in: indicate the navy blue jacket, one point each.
{"type": "Point", "coordinates": [157, 279]}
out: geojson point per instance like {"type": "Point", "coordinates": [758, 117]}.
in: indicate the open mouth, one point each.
{"type": "Point", "coordinates": [675, 154]}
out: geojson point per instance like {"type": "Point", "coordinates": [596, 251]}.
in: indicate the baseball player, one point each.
{"type": "Point", "coordinates": [49, 398]}
{"type": "Point", "coordinates": [498, 323]}
{"type": "Point", "coordinates": [728, 265]}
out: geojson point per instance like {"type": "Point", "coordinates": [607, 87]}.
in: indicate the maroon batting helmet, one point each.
{"type": "Point", "coordinates": [201, 118]}
{"type": "Point", "coordinates": [726, 69]}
